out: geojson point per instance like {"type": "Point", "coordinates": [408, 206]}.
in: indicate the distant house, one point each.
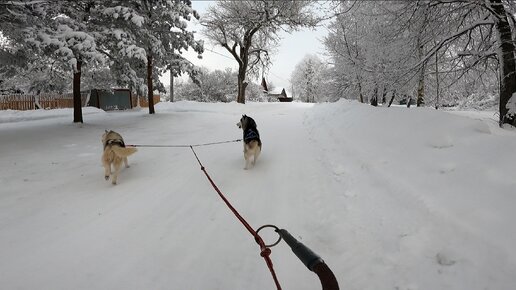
{"type": "Point", "coordinates": [282, 97]}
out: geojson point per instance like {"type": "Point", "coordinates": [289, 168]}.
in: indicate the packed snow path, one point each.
{"type": "Point", "coordinates": [390, 198]}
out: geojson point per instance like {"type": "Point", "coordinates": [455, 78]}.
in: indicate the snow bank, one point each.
{"type": "Point", "coordinates": [11, 116]}
{"type": "Point", "coordinates": [448, 175]}
{"type": "Point", "coordinates": [391, 198]}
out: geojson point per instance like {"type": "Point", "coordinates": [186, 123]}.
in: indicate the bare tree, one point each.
{"type": "Point", "coordinates": [366, 55]}
{"type": "Point", "coordinates": [308, 79]}
{"type": "Point", "coordinates": [467, 42]}
{"type": "Point", "coordinates": [249, 30]}
{"type": "Point", "coordinates": [506, 55]}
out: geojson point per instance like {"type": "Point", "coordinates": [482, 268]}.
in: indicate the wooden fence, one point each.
{"type": "Point", "coordinates": [17, 102]}
{"type": "Point", "coordinates": [144, 101]}
{"type": "Point", "coordinates": [43, 101]}
{"type": "Point", "coordinates": [54, 101]}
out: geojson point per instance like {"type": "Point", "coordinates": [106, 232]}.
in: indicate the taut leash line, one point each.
{"type": "Point", "coordinates": [265, 251]}
{"type": "Point", "coordinates": [183, 145]}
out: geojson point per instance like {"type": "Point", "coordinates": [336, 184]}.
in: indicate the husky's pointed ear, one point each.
{"type": "Point", "coordinates": [105, 130]}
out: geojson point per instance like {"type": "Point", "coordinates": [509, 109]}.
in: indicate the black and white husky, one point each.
{"type": "Point", "coordinates": [252, 142]}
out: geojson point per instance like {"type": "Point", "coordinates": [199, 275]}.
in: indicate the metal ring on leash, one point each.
{"type": "Point", "coordinates": [276, 229]}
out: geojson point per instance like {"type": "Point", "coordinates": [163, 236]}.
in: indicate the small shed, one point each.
{"type": "Point", "coordinates": [107, 100]}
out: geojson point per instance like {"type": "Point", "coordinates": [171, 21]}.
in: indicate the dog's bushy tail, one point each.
{"type": "Point", "coordinates": [124, 151]}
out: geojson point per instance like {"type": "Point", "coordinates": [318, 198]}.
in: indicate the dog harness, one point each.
{"type": "Point", "coordinates": [114, 141]}
{"type": "Point", "coordinates": [250, 136]}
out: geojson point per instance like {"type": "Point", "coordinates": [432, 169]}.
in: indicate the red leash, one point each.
{"type": "Point", "coordinates": [264, 250]}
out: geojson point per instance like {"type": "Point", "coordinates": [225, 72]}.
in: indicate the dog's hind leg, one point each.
{"type": "Point", "coordinates": [249, 159]}
{"type": "Point", "coordinates": [256, 154]}
{"type": "Point", "coordinates": [126, 162]}
{"type": "Point", "coordinates": [117, 170]}
{"type": "Point", "coordinates": [107, 170]}
{"type": "Point", "coordinates": [245, 156]}
{"type": "Point", "coordinates": [249, 162]}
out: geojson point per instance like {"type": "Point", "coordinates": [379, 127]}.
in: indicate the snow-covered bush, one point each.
{"type": "Point", "coordinates": [479, 101]}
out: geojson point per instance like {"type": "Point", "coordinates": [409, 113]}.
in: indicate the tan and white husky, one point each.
{"type": "Point", "coordinates": [252, 142]}
{"type": "Point", "coordinates": [114, 153]}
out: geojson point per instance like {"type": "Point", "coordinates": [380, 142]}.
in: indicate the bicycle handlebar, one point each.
{"type": "Point", "coordinates": [311, 260]}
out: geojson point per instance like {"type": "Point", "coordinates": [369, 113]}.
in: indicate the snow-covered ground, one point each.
{"type": "Point", "coordinates": [391, 198]}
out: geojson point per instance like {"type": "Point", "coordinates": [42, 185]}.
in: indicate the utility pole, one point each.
{"type": "Point", "coordinates": [171, 84]}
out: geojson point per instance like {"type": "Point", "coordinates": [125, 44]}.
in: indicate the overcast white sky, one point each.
{"type": "Point", "coordinates": [292, 48]}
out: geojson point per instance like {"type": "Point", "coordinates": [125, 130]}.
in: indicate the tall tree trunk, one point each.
{"type": "Point", "coordinates": [392, 98]}
{"type": "Point", "coordinates": [241, 86]}
{"type": "Point", "coordinates": [508, 65]}
{"type": "Point", "coordinates": [421, 81]}
{"type": "Point", "coordinates": [150, 90]}
{"type": "Point", "coordinates": [420, 98]}
{"type": "Point", "coordinates": [374, 98]}
{"type": "Point", "coordinates": [437, 83]}
{"type": "Point", "coordinates": [361, 97]}
{"type": "Point", "coordinates": [421, 88]}
{"type": "Point", "coordinates": [384, 95]}
{"type": "Point", "coordinates": [77, 104]}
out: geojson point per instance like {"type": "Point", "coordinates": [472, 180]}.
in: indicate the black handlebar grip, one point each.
{"type": "Point", "coordinates": [307, 256]}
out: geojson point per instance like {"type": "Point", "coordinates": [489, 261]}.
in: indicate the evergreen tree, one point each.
{"type": "Point", "coordinates": [65, 31]}
{"type": "Point", "coordinates": [147, 37]}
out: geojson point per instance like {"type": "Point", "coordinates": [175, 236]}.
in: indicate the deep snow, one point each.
{"type": "Point", "coordinates": [391, 198]}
